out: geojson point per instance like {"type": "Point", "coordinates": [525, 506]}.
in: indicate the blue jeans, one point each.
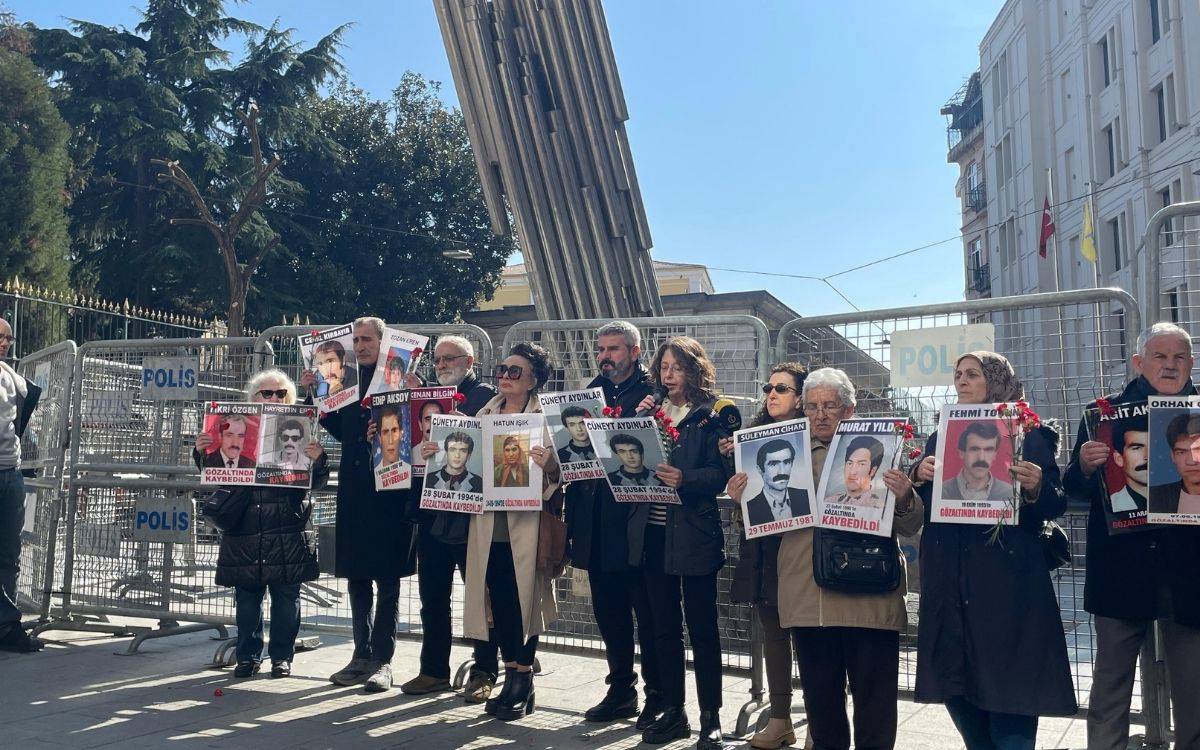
{"type": "Point", "coordinates": [12, 518]}
{"type": "Point", "coordinates": [285, 621]}
{"type": "Point", "coordinates": [988, 730]}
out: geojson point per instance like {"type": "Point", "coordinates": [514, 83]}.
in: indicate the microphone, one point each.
{"type": "Point", "coordinates": [660, 393]}
{"type": "Point", "coordinates": [724, 418]}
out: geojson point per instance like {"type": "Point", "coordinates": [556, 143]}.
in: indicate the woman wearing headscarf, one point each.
{"type": "Point", "coordinates": [990, 642]}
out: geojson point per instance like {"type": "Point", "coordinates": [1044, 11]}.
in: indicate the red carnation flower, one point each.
{"type": "Point", "coordinates": [1105, 406]}
{"type": "Point", "coordinates": [366, 403]}
{"type": "Point", "coordinates": [218, 692]}
{"type": "Point", "coordinates": [459, 398]}
{"type": "Point", "coordinates": [1002, 408]}
{"type": "Point", "coordinates": [417, 352]}
{"type": "Point", "coordinates": [914, 453]}
{"type": "Point", "coordinates": [616, 411]}
{"type": "Point", "coordinates": [313, 332]}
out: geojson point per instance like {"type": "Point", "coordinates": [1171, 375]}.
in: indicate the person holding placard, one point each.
{"type": "Point", "coordinates": [681, 548]}
{"type": "Point", "coordinates": [502, 548]}
{"type": "Point", "coordinates": [1132, 579]}
{"type": "Point", "coordinates": [997, 658]}
{"type": "Point", "coordinates": [755, 579]}
{"type": "Point", "coordinates": [841, 637]}
{"type": "Point", "coordinates": [266, 542]}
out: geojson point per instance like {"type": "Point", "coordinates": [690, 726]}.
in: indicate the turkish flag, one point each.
{"type": "Point", "coordinates": [1047, 227]}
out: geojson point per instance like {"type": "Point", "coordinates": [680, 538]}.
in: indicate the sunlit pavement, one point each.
{"type": "Point", "coordinates": [78, 693]}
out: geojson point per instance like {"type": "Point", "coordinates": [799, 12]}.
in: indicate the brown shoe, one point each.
{"type": "Point", "coordinates": [423, 684]}
{"type": "Point", "coordinates": [776, 734]}
{"type": "Point", "coordinates": [479, 687]}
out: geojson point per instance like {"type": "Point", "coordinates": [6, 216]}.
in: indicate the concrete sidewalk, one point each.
{"type": "Point", "coordinates": [78, 693]}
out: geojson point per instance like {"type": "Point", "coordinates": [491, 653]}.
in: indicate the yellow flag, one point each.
{"type": "Point", "coordinates": [1088, 247]}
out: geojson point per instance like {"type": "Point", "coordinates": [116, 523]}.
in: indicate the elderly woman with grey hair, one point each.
{"type": "Point", "coordinates": [265, 541]}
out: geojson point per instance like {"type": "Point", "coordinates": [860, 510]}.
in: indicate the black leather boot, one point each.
{"type": "Point", "coordinates": [621, 702]}
{"type": "Point", "coordinates": [671, 725]}
{"type": "Point", "coordinates": [519, 702]}
{"type": "Point", "coordinates": [711, 737]}
{"type": "Point", "coordinates": [489, 707]}
{"type": "Point", "coordinates": [650, 711]}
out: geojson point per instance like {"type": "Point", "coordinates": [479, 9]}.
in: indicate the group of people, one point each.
{"type": "Point", "coordinates": [990, 640]}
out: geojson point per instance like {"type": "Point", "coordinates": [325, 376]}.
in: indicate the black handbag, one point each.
{"type": "Point", "coordinates": [1056, 546]}
{"type": "Point", "coordinates": [226, 506]}
{"type": "Point", "coordinates": [855, 563]}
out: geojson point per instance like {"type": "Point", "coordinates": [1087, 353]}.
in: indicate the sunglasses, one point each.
{"type": "Point", "coordinates": [448, 358]}
{"type": "Point", "coordinates": [779, 388]}
{"type": "Point", "coordinates": [290, 438]}
{"type": "Point", "coordinates": [512, 372]}
{"type": "Point", "coordinates": [267, 393]}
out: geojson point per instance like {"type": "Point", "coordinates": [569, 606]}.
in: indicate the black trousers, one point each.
{"type": "Point", "coordinates": [674, 599]}
{"type": "Point", "coordinates": [870, 659]}
{"type": "Point", "coordinates": [616, 599]}
{"type": "Point", "coordinates": [508, 629]}
{"type": "Point", "coordinates": [374, 635]}
{"type": "Point", "coordinates": [436, 562]}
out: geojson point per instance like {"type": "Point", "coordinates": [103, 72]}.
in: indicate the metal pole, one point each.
{"type": "Point", "coordinates": [1154, 254]}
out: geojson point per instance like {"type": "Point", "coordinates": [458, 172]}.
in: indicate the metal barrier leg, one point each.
{"type": "Point", "coordinates": [460, 676]}
{"type": "Point", "coordinates": [1156, 699]}
{"type": "Point", "coordinates": [756, 702]}
{"type": "Point", "coordinates": [225, 655]}
{"type": "Point", "coordinates": [87, 624]}
{"type": "Point", "coordinates": [168, 628]}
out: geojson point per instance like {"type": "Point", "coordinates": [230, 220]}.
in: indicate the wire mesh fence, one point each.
{"type": "Point", "coordinates": [1178, 246]}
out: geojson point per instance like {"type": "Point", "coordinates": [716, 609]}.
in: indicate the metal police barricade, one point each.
{"type": "Point", "coordinates": [134, 544]}
{"type": "Point", "coordinates": [43, 456]}
{"type": "Point", "coordinates": [1068, 348]}
{"type": "Point", "coordinates": [740, 349]}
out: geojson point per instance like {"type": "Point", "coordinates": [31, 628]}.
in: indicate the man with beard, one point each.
{"type": "Point", "coordinates": [233, 440]}
{"type": "Point", "coordinates": [777, 501]}
{"type": "Point", "coordinates": [579, 447]}
{"type": "Point", "coordinates": [1132, 579]}
{"type": "Point", "coordinates": [1131, 441]}
{"type": "Point", "coordinates": [289, 436]}
{"type": "Point", "coordinates": [443, 546]}
{"type": "Point", "coordinates": [1183, 496]}
{"type": "Point", "coordinates": [864, 456]}
{"type": "Point", "coordinates": [978, 446]}
{"type": "Point", "coordinates": [598, 530]}
{"type": "Point", "coordinates": [329, 358]}
{"type": "Point", "coordinates": [454, 475]}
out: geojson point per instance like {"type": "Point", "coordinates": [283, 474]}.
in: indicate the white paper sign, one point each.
{"type": "Point", "coordinates": [926, 356]}
{"type": "Point", "coordinates": [170, 378]}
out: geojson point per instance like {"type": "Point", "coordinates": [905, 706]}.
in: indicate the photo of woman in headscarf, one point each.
{"type": "Point", "coordinates": [512, 463]}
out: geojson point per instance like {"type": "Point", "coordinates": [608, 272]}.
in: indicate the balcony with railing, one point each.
{"type": "Point", "coordinates": [977, 197]}
{"type": "Point", "coordinates": [965, 110]}
{"type": "Point", "coordinates": [979, 281]}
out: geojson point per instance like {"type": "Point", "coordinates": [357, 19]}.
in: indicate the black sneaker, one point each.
{"type": "Point", "coordinates": [247, 668]}
{"type": "Point", "coordinates": [619, 703]}
{"type": "Point", "coordinates": [17, 640]}
{"type": "Point", "coordinates": [281, 669]}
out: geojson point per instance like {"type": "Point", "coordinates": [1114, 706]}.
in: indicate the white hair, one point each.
{"type": "Point", "coordinates": [633, 337]}
{"type": "Point", "coordinates": [459, 342]}
{"type": "Point", "coordinates": [256, 383]}
{"type": "Point", "coordinates": [375, 323]}
{"type": "Point", "coordinates": [831, 377]}
{"type": "Point", "coordinates": [1162, 329]}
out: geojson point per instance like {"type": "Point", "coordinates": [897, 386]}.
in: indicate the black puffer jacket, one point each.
{"type": "Point", "coordinates": [268, 540]}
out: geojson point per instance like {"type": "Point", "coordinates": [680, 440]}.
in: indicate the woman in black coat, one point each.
{"type": "Point", "coordinates": [681, 548]}
{"type": "Point", "coordinates": [990, 642]}
{"type": "Point", "coordinates": [265, 540]}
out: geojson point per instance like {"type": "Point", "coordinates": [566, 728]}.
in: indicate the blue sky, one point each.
{"type": "Point", "coordinates": [789, 137]}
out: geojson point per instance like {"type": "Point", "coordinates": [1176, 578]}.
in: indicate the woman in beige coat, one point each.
{"type": "Point", "coordinates": [839, 636]}
{"type": "Point", "coordinates": [502, 550]}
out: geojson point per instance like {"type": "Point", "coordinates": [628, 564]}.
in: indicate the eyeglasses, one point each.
{"type": "Point", "coordinates": [290, 438]}
{"type": "Point", "coordinates": [267, 393]}
{"type": "Point", "coordinates": [448, 358]}
{"type": "Point", "coordinates": [779, 388]}
{"type": "Point", "coordinates": [512, 372]}
{"type": "Point", "coordinates": [6, 338]}
{"type": "Point", "coordinates": [828, 407]}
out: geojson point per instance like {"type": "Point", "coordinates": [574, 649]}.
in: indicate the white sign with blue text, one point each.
{"type": "Point", "coordinates": [170, 378]}
{"type": "Point", "coordinates": [159, 520]}
{"type": "Point", "coordinates": [926, 356]}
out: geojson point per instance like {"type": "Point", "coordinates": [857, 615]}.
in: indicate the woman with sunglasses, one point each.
{"type": "Point", "coordinates": [502, 549]}
{"type": "Point", "coordinates": [681, 548]}
{"type": "Point", "coordinates": [266, 544]}
{"type": "Point", "coordinates": [755, 580]}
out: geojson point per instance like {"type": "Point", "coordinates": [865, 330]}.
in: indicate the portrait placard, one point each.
{"type": "Point", "coordinates": [285, 431]}
{"type": "Point", "coordinates": [391, 447]}
{"type": "Point", "coordinates": [330, 354]}
{"type": "Point", "coordinates": [425, 404]}
{"type": "Point", "coordinates": [1125, 429]}
{"type": "Point", "coordinates": [777, 461]}
{"type": "Point", "coordinates": [1174, 460]}
{"type": "Point", "coordinates": [565, 413]}
{"type": "Point", "coordinates": [511, 478]}
{"type": "Point", "coordinates": [972, 481]}
{"type": "Point", "coordinates": [258, 444]}
{"type": "Point", "coordinates": [852, 494]}
{"type": "Point", "coordinates": [233, 456]}
{"type": "Point", "coordinates": [399, 354]}
{"type": "Point", "coordinates": [629, 449]}
{"type": "Point", "coordinates": [454, 475]}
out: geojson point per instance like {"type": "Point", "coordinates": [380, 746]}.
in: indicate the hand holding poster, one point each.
{"type": "Point", "coordinates": [511, 479]}
{"type": "Point", "coordinates": [391, 454]}
{"type": "Point", "coordinates": [853, 495]}
{"type": "Point", "coordinates": [454, 475]}
{"type": "Point", "coordinates": [565, 414]}
{"type": "Point", "coordinates": [426, 403]}
{"type": "Point", "coordinates": [331, 355]}
{"type": "Point", "coordinates": [1174, 460]}
{"type": "Point", "coordinates": [972, 481]}
{"type": "Point", "coordinates": [629, 449]}
{"type": "Point", "coordinates": [399, 354]}
{"type": "Point", "coordinates": [1124, 428]}
{"type": "Point", "coordinates": [258, 444]}
{"type": "Point", "coordinates": [777, 461]}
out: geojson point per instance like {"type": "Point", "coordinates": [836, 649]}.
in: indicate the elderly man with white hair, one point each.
{"type": "Point", "coordinates": [1135, 578]}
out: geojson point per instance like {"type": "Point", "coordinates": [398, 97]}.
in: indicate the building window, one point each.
{"type": "Point", "coordinates": [1166, 197]}
{"type": "Point", "coordinates": [1175, 304]}
{"type": "Point", "coordinates": [1110, 149]}
{"type": "Point", "coordinates": [976, 253]}
{"type": "Point", "coordinates": [1121, 342]}
{"type": "Point", "coordinates": [1156, 19]}
{"type": "Point", "coordinates": [1160, 106]}
{"type": "Point", "coordinates": [1064, 95]}
{"type": "Point", "coordinates": [1106, 66]}
{"type": "Point", "coordinates": [1116, 242]}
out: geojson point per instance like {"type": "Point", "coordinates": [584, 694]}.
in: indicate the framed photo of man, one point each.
{"type": "Point", "coordinates": [565, 415]}
{"type": "Point", "coordinates": [391, 448]}
{"type": "Point", "coordinates": [972, 481]}
{"type": "Point", "coordinates": [777, 461]}
{"type": "Point", "coordinates": [399, 354]}
{"type": "Point", "coordinates": [286, 430]}
{"type": "Point", "coordinates": [233, 456]}
{"type": "Point", "coordinates": [1174, 460]}
{"type": "Point", "coordinates": [852, 494]}
{"type": "Point", "coordinates": [425, 404]}
{"type": "Point", "coordinates": [330, 354]}
{"type": "Point", "coordinates": [1125, 429]}
{"type": "Point", "coordinates": [511, 478]}
{"type": "Point", "coordinates": [629, 449]}
{"type": "Point", "coordinates": [454, 475]}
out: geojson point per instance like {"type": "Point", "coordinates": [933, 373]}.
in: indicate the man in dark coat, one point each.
{"type": "Point", "coordinates": [1134, 578]}
{"type": "Point", "coordinates": [442, 547]}
{"type": "Point", "coordinates": [775, 459]}
{"type": "Point", "coordinates": [596, 528]}
{"type": "Point", "coordinates": [375, 540]}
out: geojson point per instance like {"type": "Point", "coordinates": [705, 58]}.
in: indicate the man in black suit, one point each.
{"type": "Point", "coordinates": [233, 438]}
{"type": "Point", "coordinates": [1183, 435]}
{"type": "Point", "coordinates": [777, 501]}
